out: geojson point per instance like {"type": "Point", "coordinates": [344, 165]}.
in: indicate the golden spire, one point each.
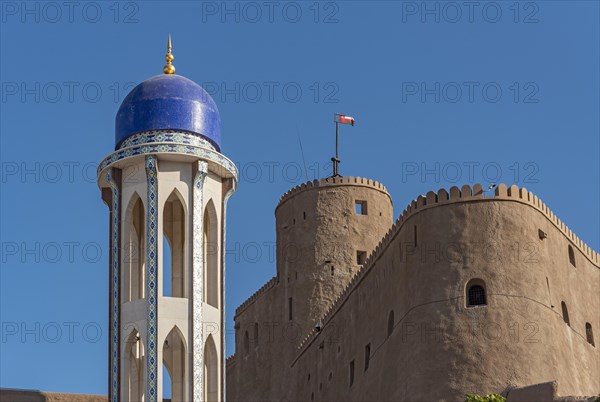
{"type": "Point", "coordinates": [169, 68]}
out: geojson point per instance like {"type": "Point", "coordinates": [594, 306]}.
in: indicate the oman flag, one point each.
{"type": "Point", "coordinates": [343, 119]}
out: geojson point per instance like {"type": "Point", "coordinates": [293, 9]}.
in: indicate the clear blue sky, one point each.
{"type": "Point", "coordinates": [64, 72]}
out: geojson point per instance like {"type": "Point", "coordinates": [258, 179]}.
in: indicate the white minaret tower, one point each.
{"type": "Point", "coordinates": [167, 186]}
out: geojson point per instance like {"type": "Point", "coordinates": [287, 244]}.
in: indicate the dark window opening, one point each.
{"type": "Point", "coordinates": [367, 356]}
{"type": "Point", "coordinates": [390, 327]}
{"type": "Point", "coordinates": [304, 215]}
{"type": "Point", "coordinates": [361, 257]}
{"type": "Point", "coordinates": [415, 235]}
{"type": "Point", "coordinates": [351, 372]}
{"type": "Point", "coordinates": [476, 295]}
{"type": "Point", "coordinates": [290, 309]}
{"type": "Point", "coordinates": [572, 256]}
{"type": "Point", "coordinates": [255, 340]}
{"type": "Point", "coordinates": [565, 313]}
{"type": "Point", "coordinates": [589, 334]}
{"type": "Point", "coordinates": [360, 207]}
{"type": "Point", "coordinates": [332, 270]}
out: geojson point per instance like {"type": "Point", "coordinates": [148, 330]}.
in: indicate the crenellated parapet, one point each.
{"type": "Point", "coordinates": [331, 182]}
{"type": "Point", "coordinates": [230, 360]}
{"type": "Point", "coordinates": [256, 295]}
{"type": "Point", "coordinates": [443, 197]}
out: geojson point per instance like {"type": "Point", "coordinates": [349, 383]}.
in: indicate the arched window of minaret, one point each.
{"type": "Point", "coordinates": [211, 371]}
{"type": "Point", "coordinates": [572, 256]}
{"type": "Point", "coordinates": [390, 324]}
{"type": "Point", "coordinates": [134, 367]}
{"type": "Point", "coordinates": [211, 256]}
{"type": "Point", "coordinates": [476, 295]}
{"type": "Point", "coordinates": [565, 313]}
{"type": "Point", "coordinates": [589, 334]}
{"type": "Point", "coordinates": [134, 250]}
{"type": "Point", "coordinates": [174, 359]}
{"type": "Point", "coordinates": [173, 273]}
{"type": "Point", "coordinates": [166, 384]}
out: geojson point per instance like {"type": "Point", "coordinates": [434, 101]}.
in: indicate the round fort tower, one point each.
{"type": "Point", "coordinates": [325, 231]}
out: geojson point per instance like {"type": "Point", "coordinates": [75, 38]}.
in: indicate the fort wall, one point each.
{"type": "Point", "coordinates": [511, 243]}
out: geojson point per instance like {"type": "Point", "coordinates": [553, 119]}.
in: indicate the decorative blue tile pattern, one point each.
{"type": "Point", "coordinates": [115, 229]}
{"type": "Point", "coordinates": [197, 282]}
{"type": "Point", "coordinates": [167, 136]}
{"type": "Point", "coordinates": [151, 279]}
{"type": "Point", "coordinates": [168, 101]}
{"type": "Point", "coordinates": [146, 149]}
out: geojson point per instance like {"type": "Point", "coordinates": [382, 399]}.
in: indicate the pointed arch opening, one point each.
{"type": "Point", "coordinates": [211, 256]}
{"type": "Point", "coordinates": [134, 367]}
{"type": "Point", "coordinates": [211, 371]}
{"type": "Point", "coordinates": [134, 250]}
{"type": "Point", "coordinates": [174, 360]}
{"type": "Point", "coordinates": [173, 274]}
{"type": "Point", "coordinates": [166, 384]}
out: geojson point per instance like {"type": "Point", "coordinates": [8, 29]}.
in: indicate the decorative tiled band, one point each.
{"type": "Point", "coordinates": [157, 148]}
{"type": "Point", "coordinates": [197, 282]}
{"type": "Point", "coordinates": [115, 230]}
{"type": "Point", "coordinates": [167, 136]}
{"type": "Point", "coordinates": [151, 279]}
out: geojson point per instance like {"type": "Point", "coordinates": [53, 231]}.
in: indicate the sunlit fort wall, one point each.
{"type": "Point", "coordinates": [468, 292]}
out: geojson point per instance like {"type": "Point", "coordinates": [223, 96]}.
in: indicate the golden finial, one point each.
{"type": "Point", "coordinates": [169, 67]}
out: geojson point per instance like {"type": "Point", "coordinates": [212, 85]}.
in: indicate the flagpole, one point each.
{"type": "Point", "coordinates": [336, 161]}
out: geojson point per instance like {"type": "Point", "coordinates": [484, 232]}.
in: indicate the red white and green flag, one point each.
{"type": "Point", "coordinates": [343, 119]}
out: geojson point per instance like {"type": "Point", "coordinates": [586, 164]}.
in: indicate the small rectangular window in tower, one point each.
{"type": "Point", "coordinates": [360, 207]}
{"type": "Point", "coordinates": [351, 372]}
{"type": "Point", "coordinates": [367, 356]}
{"type": "Point", "coordinates": [290, 311]}
{"type": "Point", "coordinates": [361, 257]}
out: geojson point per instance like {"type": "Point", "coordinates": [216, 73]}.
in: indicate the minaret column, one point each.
{"type": "Point", "coordinates": [198, 281]}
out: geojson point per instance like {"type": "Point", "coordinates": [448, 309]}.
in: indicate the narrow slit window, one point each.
{"type": "Point", "coordinates": [255, 340]}
{"type": "Point", "coordinates": [290, 309]}
{"type": "Point", "coordinates": [572, 256]}
{"type": "Point", "coordinates": [351, 372]}
{"type": "Point", "coordinates": [367, 356]}
{"type": "Point", "coordinates": [589, 334]}
{"type": "Point", "coordinates": [390, 326]}
{"type": "Point", "coordinates": [415, 235]}
{"type": "Point", "coordinates": [565, 313]}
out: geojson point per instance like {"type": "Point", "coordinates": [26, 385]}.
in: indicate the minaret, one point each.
{"type": "Point", "coordinates": [167, 186]}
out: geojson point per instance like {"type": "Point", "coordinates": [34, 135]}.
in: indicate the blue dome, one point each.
{"type": "Point", "coordinates": [168, 102]}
